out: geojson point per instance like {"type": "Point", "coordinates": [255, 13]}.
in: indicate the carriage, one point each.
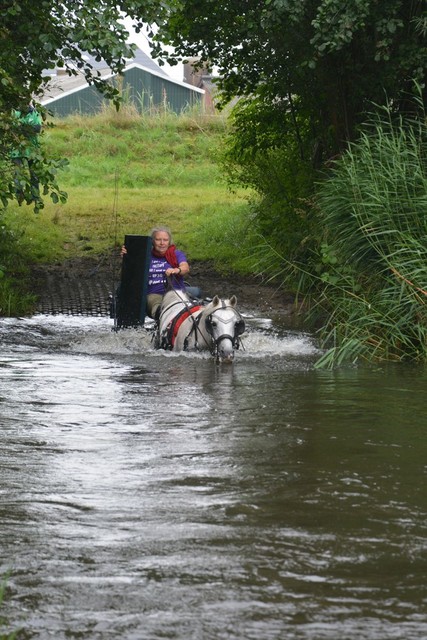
{"type": "Point", "coordinates": [184, 324]}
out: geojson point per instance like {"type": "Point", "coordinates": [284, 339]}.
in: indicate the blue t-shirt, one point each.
{"type": "Point", "coordinates": [156, 274]}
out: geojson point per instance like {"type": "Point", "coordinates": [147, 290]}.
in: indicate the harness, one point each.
{"type": "Point", "coordinates": [166, 340]}
{"type": "Point", "coordinates": [169, 334]}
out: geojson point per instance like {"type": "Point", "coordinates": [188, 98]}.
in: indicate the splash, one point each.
{"type": "Point", "coordinates": [96, 336]}
{"type": "Point", "coordinates": [261, 344]}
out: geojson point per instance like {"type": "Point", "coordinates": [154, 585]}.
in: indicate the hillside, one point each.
{"type": "Point", "coordinates": [126, 174]}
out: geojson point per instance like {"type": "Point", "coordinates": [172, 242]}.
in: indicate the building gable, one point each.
{"type": "Point", "coordinates": [142, 86]}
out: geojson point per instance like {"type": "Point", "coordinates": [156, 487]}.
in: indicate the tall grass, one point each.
{"type": "Point", "coordinates": [374, 208]}
{"type": "Point", "coordinates": [15, 299]}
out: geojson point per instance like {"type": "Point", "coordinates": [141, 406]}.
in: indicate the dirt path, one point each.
{"type": "Point", "coordinates": [82, 286]}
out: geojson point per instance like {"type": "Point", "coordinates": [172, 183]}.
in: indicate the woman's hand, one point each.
{"type": "Point", "coordinates": [182, 270]}
{"type": "Point", "coordinates": [173, 271]}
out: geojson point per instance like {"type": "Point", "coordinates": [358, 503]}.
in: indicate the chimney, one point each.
{"type": "Point", "coordinates": [194, 76]}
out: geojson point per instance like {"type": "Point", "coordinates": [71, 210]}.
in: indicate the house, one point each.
{"type": "Point", "coordinates": [143, 84]}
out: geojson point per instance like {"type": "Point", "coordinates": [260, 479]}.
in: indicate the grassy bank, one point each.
{"type": "Point", "coordinates": [126, 174]}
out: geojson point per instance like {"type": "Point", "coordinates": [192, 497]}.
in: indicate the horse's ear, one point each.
{"type": "Point", "coordinates": [233, 301]}
{"type": "Point", "coordinates": [215, 300]}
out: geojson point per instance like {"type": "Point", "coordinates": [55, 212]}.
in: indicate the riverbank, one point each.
{"type": "Point", "coordinates": [82, 286]}
{"type": "Point", "coordinates": [126, 175]}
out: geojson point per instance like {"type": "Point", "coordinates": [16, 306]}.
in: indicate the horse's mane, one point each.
{"type": "Point", "coordinates": [217, 302]}
{"type": "Point", "coordinates": [178, 294]}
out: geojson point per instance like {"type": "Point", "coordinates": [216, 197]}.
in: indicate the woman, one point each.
{"type": "Point", "coordinates": [167, 262]}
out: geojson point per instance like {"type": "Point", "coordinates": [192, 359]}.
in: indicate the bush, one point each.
{"type": "Point", "coordinates": [268, 152]}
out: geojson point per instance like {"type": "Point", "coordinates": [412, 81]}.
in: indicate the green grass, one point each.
{"type": "Point", "coordinates": [126, 174]}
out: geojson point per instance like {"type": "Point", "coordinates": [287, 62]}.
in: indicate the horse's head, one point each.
{"type": "Point", "coordinates": [225, 325]}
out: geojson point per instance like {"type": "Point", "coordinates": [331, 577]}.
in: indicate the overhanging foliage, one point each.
{"type": "Point", "coordinates": [335, 56]}
{"type": "Point", "coordinates": [38, 36]}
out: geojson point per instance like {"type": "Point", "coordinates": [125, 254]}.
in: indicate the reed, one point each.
{"type": "Point", "coordinates": [12, 635]}
{"type": "Point", "coordinates": [373, 206]}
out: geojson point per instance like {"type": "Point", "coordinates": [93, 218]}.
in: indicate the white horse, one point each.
{"type": "Point", "coordinates": [185, 326]}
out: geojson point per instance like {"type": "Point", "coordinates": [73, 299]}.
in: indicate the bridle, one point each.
{"type": "Point", "coordinates": [239, 328]}
{"type": "Point", "coordinates": [196, 320]}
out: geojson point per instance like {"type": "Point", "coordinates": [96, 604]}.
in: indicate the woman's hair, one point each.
{"type": "Point", "coordinates": [164, 230]}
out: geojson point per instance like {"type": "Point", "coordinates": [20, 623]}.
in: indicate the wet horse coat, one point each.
{"type": "Point", "coordinates": [185, 326]}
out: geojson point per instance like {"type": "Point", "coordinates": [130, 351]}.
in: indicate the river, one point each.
{"type": "Point", "coordinates": [147, 495]}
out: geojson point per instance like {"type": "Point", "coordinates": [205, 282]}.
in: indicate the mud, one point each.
{"type": "Point", "coordinates": [82, 286]}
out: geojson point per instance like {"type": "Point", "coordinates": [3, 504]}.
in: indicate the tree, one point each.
{"type": "Point", "coordinates": [308, 73]}
{"type": "Point", "coordinates": [35, 36]}
{"type": "Point", "coordinates": [336, 56]}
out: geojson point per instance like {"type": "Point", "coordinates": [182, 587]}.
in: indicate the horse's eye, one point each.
{"type": "Point", "coordinates": [240, 327]}
{"type": "Point", "coordinates": [209, 325]}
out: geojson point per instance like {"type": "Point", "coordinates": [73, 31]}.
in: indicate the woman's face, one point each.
{"type": "Point", "coordinates": [161, 241]}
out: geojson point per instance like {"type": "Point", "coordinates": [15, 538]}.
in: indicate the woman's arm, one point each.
{"type": "Point", "coordinates": [182, 270]}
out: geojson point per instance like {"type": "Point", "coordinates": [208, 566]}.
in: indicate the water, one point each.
{"type": "Point", "coordinates": [146, 495]}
